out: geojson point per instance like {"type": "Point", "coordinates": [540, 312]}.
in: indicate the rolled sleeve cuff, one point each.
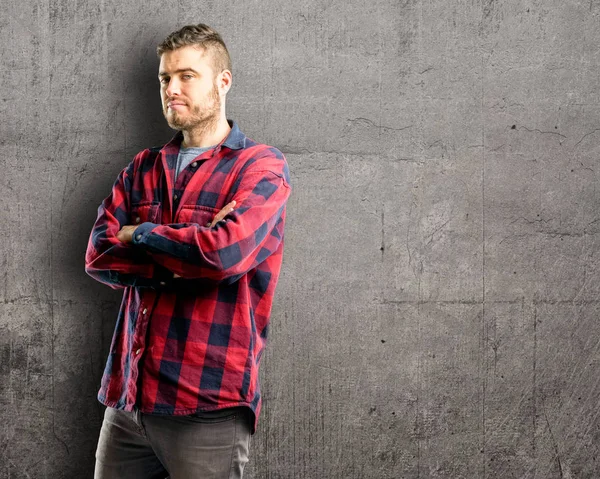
{"type": "Point", "coordinates": [141, 233]}
{"type": "Point", "coordinates": [162, 276]}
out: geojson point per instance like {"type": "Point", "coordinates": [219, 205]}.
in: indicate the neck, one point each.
{"type": "Point", "coordinates": [207, 134]}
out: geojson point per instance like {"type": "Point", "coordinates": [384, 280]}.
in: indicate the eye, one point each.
{"type": "Point", "coordinates": [188, 76]}
{"type": "Point", "coordinates": [164, 80]}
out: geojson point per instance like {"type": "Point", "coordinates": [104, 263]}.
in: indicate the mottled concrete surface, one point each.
{"type": "Point", "coordinates": [437, 314]}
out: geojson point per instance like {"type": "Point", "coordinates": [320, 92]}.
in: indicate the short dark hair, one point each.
{"type": "Point", "coordinates": [203, 36]}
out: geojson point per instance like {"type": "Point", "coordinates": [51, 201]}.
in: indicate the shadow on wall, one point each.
{"type": "Point", "coordinates": [127, 120]}
{"type": "Point", "coordinates": [136, 124]}
{"type": "Point", "coordinates": [142, 126]}
{"type": "Point", "coordinates": [145, 125]}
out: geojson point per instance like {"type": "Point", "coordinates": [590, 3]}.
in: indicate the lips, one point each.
{"type": "Point", "coordinates": [175, 105]}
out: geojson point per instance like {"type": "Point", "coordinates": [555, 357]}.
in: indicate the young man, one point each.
{"type": "Point", "coordinates": [193, 233]}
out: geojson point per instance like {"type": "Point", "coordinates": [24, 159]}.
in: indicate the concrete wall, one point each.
{"type": "Point", "coordinates": [437, 313]}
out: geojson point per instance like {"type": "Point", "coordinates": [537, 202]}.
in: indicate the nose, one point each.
{"type": "Point", "coordinates": [173, 88]}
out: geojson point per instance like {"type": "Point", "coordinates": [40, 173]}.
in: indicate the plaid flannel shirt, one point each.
{"type": "Point", "coordinates": [194, 343]}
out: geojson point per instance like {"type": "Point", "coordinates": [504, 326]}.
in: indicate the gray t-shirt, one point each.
{"type": "Point", "coordinates": [187, 155]}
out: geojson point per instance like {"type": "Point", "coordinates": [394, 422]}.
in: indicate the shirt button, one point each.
{"type": "Point", "coordinates": [145, 311]}
{"type": "Point", "coordinates": [162, 283]}
{"type": "Point", "coordinates": [138, 351]}
{"type": "Point", "coordinates": [138, 219]}
{"type": "Point", "coordinates": [175, 197]}
{"type": "Point", "coordinates": [194, 164]}
{"type": "Point", "coordinates": [138, 237]}
{"type": "Point", "coordinates": [208, 224]}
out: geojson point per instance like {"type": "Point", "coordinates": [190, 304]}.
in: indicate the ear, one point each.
{"type": "Point", "coordinates": [224, 81]}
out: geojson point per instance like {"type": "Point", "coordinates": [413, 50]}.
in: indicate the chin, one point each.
{"type": "Point", "coordinates": [175, 122]}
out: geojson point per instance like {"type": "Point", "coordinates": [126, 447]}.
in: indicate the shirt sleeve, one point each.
{"type": "Point", "coordinates": [107, 259]}
{"type": "Point", "coordinates": [248, 236]}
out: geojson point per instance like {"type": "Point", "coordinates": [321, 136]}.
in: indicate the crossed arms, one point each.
{"type": "Point", "coordinates": [237, 239]}
{"type": "Point", "coordinates": [125, 234]}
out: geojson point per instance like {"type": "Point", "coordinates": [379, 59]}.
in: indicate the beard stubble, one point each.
{"type": "Point", "coordinates": [202, 118]}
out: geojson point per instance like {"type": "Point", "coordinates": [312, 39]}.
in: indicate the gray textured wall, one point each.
{"type": "Point", "coordinates": [437, 313]}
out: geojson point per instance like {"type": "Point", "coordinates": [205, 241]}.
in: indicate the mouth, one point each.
{"type": "Point", "coordinates": [175, 105]}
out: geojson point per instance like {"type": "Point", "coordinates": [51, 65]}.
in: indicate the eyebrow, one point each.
{"type": "Point", "coordinates": [180, 70]}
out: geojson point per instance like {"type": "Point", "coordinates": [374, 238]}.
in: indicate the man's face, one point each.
{"type": "Point", "coordinates": [188, 90]}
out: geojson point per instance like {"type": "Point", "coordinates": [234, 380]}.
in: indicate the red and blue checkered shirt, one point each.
{"type": "Point", "coordinates": [191, 344]}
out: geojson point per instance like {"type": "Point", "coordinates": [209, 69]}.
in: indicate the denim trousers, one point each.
{"type": "Point", "coordinates": [133, 445]}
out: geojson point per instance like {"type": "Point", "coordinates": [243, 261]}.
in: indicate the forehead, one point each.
{"type": "Point", "coordinates": [192, 57]}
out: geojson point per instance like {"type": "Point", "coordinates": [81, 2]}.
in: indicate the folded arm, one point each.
{"type": "Point", "coordinates": [107, 258]}
{"type": "Point", "coordinates": [248, 235]}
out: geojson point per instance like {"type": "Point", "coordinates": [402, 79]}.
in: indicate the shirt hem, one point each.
{"type": "Point", "coordinates": [183, 412]}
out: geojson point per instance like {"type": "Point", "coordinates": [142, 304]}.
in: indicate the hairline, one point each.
{"type": "Point", "coordinates": [205, 50]}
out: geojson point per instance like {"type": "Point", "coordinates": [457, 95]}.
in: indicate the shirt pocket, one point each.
{"type": "Point", "coordinates": [147, 211]}
{"type": "Point", "coordinates": [198, 214]}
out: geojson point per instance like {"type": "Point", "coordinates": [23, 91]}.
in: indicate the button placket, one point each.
{"type": "Point", "coordinates": [180, 185]}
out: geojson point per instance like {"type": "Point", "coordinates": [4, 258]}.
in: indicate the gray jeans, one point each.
{"type": "Point", "coordinates": [143, 446]}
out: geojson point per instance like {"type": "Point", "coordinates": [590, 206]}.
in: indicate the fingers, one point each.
{"type": "Point", "coordinates": [125, 234]}
{"type": "Point", "coordinates": [228, 208]}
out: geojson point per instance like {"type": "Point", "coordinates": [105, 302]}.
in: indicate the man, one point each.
{"type": "Point", "coordinates": [193, 233]}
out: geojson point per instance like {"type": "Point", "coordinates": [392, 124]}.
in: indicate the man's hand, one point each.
{"type": "Point", "coordinates": [125, 234]}
{"type": "Point", "coordinates": [228, 208]}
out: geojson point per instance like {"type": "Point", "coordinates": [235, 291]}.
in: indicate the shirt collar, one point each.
{"type": "Point", "coordinates": [236, 140]}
